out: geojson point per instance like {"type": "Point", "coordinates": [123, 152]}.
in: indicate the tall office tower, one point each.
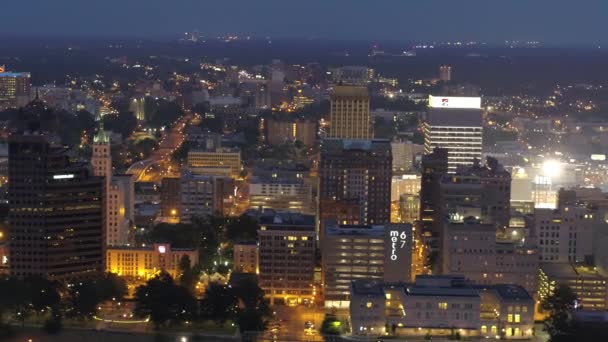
{"type": "Point", "coordinates": [138, 107]}
{"type": "Point", "coordinates": [445, 73]}
{"type": "Point", "coordinates": [454, 123]}
{"type": "Point", "coordinates": [15, 89]}
{"type": "Point", "coordinates": [350, 117]}
{"type": "Point", "coordinates": [262, 96]}
{"type": "Point", "coordinates": [355, 181]}
{"type": "Point", "coordinates": [287, 257]}
{"type": "Point", "coordinates": [118, 193]}
{"type": "Point", "coordinates": [56, 221]}
{"type": "Point", "coordinates": [434, 166]}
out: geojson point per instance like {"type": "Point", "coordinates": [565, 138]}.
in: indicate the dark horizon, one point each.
{"type": "Point", "coordinates": [558, 22]}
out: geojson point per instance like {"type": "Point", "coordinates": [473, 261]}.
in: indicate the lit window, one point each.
{"type": "Point", "coordinates": [442, 306]}
{"type": "Point", "coordinates": [388, 296]}
{"type": "Point", "coordinates": [494, 330]}
{"type": "Point", "coordinates": [369, 304]}
{"type": "Point", "coordinates": [517, 318]}
{"type": "Point", "coordinates": [510, 318]}
{"type": "Point", "coordinates": [484, 329]}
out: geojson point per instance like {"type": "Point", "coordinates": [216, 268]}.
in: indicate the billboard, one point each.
{"type": "Point", "coordinates": [397, 252]}
{"type": "Point", "coordinates": [454, 102]}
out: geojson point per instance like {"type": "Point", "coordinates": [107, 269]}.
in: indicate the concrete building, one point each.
{"type": "Point", "coordinates": [246, 257]}
{"type": "Point", "coordinates": [354, 181]}
{"type": "Point", "coordinates": [352, 252]}
{"type": "Point", "coordinates": [440, 306]}
{"type": "Point", "coordinates": [15, 89]}
{"type": "Point", "coordinates": [281, 131]}
{"type": "Point", "coordinates": [287, 257]}
{"type": "Point", "coordinates": [565, 234]}
{"type": "Point", "coordinates": [56, 222]}
{"type": "Point", "coordinates": [587, 283]}
{"type": "Point", "coordinates": [434, 166]}
{"type": "Point", "coordinates": [200, 196]}
{"type": "Point", "coordinates": [405, 184]}
{"type": "Point", "coordinates": [404, 156]}
{"type": "Point", "coordinates": [349, 116]}
{"type": "Point", "coordinates": [219, 161]}
{"type": "Point", "coordinates": [281, 194]}
{"type": "Point", "coordinates": [352, 75]}
{"type": "Point", "coordinates": [484, 187]}
{"type": "Point", "coordinates": [143, 263]}
{"type": "Point", "coordinates": [170, 197]}
{"type": "Point", "coordinates": [456, 124]}
{"type": "Point", "coordinates": [472, 249]}
{"type": "Point", "coordinates": [119, 194]}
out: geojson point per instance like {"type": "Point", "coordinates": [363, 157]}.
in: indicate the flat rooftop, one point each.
{"type": "Point", "coordinates": [568, 270]}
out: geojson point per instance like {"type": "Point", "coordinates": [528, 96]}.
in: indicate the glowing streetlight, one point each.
{"type": "Point", "coordinates": [551, 168]}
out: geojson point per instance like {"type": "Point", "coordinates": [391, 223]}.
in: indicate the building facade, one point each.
{"type": "Point", "coordinates": [56, 222]}
{"type": "Point", "coordinates": [15, 89]}
{"type": "Point", "coordinates": [220, 161]}
{"type": "Point", "coordinates": [145, 262]}
{"type": "Point", "coordinates": [287, 257]}
{"type": "Point", "coordinates": [456, 124]}
{"type": "Point", "coordinates": [355, 181]}
{"type": "Point", "coordinates": [587, 283]}
{"type": "Point", "coordinates": [352, 252]}
{"type": "Point", "coordinates": [281, 194]}
{"type": "Point", "coordinates": [349, 115]}
{"type": "Point", "coordinates": [246, 257]}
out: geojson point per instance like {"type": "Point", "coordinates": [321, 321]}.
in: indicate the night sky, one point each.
{"type": "Point", "coordinates": [556, 21]}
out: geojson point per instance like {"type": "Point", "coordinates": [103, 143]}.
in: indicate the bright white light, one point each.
{"type": "Point", "coordinates": [552, 168]}
{"type": "Point", "coordinates": [63, 176]}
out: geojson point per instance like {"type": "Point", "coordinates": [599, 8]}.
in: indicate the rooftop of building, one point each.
{"type": "Point", "coordinates": [14, 74]}
{"type": "Point", "coordinates": [281, 218]}
{"type": "Point", "coordinates": [354, 91]}
{"type": "Point", "coordinates": [454, 117]}
{"type": "Point", "coordinates": [333, 229]}
{"type": "Point", "coordinates": [367, 288]}
{"type": "Point", "coordinates": [275, 180]}
{"type": "Point", "coordinates": [571, 271]}
{"type": "Point", "coordinates": [512, 292]}
{"type": "Point", "coordinates": [150, 248]}
{"type": "Point", "coordinates": [339, 145]}
{"type": "Point", "coordinates": [215, 150]}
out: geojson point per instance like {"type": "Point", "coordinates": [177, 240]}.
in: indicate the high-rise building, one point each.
{"type": "Point", "coordinates": [445, 73]}
{"type": "Point", "coordinates": [281, 131]}
{"type": "Point", "coordinates": [350, 117]}
{"type": "Point", "coordinates": [56, 211]}
{"type": "Point", "coordinates": [456, 124]}
{"type": "Point", "coordinates": [246, 257]}
{"type": "Point", "coordinates": [287, 257]}
{"type": "Point", "coordinates": [587, 283]}
{"type": "Point", "coordinates": [351, 252]}
{"type": "Point", "coordinates": [198, 196]}
{"type": "Point", "coordinates": [434, 166]}
{"type": "Point", "coordinates": [353, 75]}
{"type": "Point", "coordinates": [15, 89]}
{"type": "Point", "coordinates": [355, 181]}
{"type": "Point", "coordinates": [119, 194]}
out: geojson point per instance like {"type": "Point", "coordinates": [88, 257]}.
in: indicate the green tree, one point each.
{"type": "Point", "coordinates": [189, 274]}
{"type": "Point", "coordinates": [331, 325]}
{"type": "Point", "coordinates": [123, 123]}
{"type": "Point", "coordinates": [219, 303]}
{"type": "Point", "coordinates": [242, 228]}
{"type": "Point", "coordinates": [560, 324]}
{"type": "Point", "coordinates": [254, 312]}
{"type": "Point", "coordinates": [164, 301]}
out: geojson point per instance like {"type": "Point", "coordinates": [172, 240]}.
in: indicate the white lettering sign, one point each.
{"type": "Point", "coordinates": [454, 102]}
{"type": "Point", "coordinates": [397, 242]}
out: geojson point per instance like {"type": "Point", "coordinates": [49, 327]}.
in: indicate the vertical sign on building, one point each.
{"type": "Point", "coordinates": [397, 252]}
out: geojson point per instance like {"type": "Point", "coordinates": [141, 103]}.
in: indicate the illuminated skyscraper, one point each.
{"type": "Point", "coordinates": [350, 117]}
{"type": "Point", "coordinates": [456, 124]}
{"type": "Point", "coordinates": [56, 222]}
{"type": "Point", "coordinates": [15, 88]}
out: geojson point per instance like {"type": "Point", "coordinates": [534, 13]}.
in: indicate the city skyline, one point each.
{"type": "Point", "coordinates": [556, 22]}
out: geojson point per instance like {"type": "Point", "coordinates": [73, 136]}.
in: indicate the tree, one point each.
{"type": "Point", "coordinates": [123, 123]}
{"type": "Point", "coordinates": [219, 303]}
{"type": "Point", "coordinates": [253, 313]}
{"type": "Point", "coordinates": [560, 324]}
{"type": "Point", "coordinates": [189, 274]}
{"type": "Point", "coordinates": [84, 297]}
{"type": "Point", "coordinates": [242, 228]}
{"type": "Point", "coordinates": [164, 301]}
{"type": "Point", "coordinates": [331, 325]}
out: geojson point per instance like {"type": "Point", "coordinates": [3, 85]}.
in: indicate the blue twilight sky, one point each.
{"type": "Point", "coordinates": [553, 21]}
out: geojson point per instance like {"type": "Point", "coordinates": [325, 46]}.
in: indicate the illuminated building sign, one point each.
{"type": "Point", "coordinates": [599, 157]}
{"type": "Point", "coordinates": [455, 102]}
{"type": "Point", "coordinates": [162, 249]}
{"type": "Point", "coordinates": [68, 176]}
{"type": "Point", "coordinates": [398, 241]}
{"type": "Point", "coordinates": [397, 252]}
